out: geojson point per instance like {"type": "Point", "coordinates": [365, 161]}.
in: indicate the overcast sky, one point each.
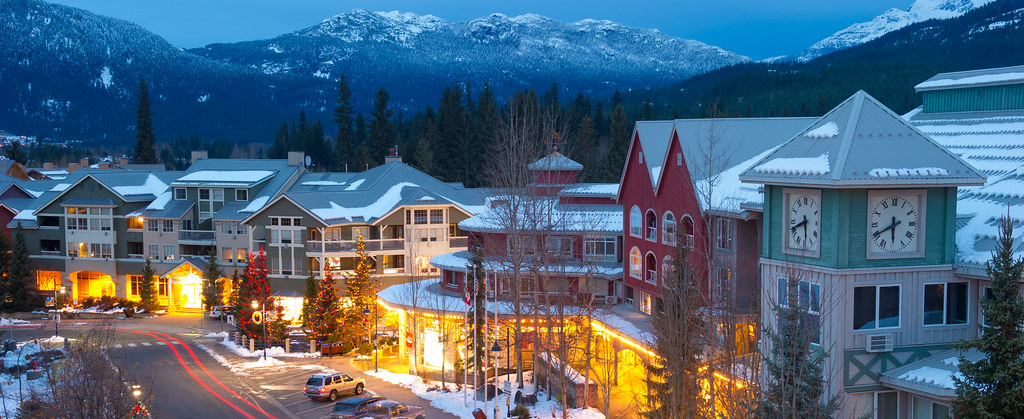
{"type": "Point", "coordinates": [756, 28]}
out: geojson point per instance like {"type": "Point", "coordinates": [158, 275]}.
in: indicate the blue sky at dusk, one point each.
{"type": "Point", "coordinates": [756, 28]}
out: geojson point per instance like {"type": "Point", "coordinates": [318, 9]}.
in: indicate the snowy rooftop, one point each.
{"type": "Point", "coordinates": [992, 142]}
{"type": "Point", "coordinates": [224, 177]}
{"type": "Point", "coordinates": [601, 190]}
{"type": "Point", "coordinates": [932, 375]}
{"type": "Point", "coordinates": [974, 78]}
{"type": "Point", "coordinates": [545, 213]}
{"type": "Point", "coordinates": [859, 143]}
{"type": "Point", "coordinates": [457, 261]}
{"type": "Point", "coordinates": [555, 161]}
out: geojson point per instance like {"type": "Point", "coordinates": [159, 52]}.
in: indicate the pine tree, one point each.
{"type": "Point", "coordinates": [5, 269]}
{"type": "Point", "coordinates": [618, 144]}
{"type": "Point", "coordinates": [22, 293]}
{"type": "Point", "coordinates": [674, 377]}
{"type": "Point", "coordinates": [324, 313]}
{"type": "Point", "coordinates": [344, 142]}
{"type": "Point", "coordinates": [148, 292]}
{"type": "Point", "coordinates": [382, 132]}
{"type": "Point", "coordinates": [213, 289]}
{"type": "Point", "coordinates": [309, 297]}
{"type": "Point", "coordinates": [15, 151]}
{"type": "Point", "coordinates": [424, 153]}
{"type": "Point", "coordinates": [585, 149]}
{"type": "Point", "coordinates": [145, 147]}
{"type": "Point", "coordinates": [451, 127]}
{"type": "Point", "coordinates": [794, 385]}
{"type": "Point", "coordinates": [993, 387]}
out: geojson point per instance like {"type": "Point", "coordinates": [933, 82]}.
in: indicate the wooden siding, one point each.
{"type": "Point", "coordinates": [844, 229]}
{"type": "Point", "coordinates": [987, 98]}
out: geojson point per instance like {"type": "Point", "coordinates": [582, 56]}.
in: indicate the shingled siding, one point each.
{"type": "Point", "coordinates": [988, 98]}
{"type": "Point", "coordinates": [844, 229]}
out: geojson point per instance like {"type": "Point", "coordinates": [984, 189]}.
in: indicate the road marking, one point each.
{"type": "Point", "coordinates": [161, 344]}
{"type": "Point", "coordinates": [147, 344]}
{"type": "Point", "coordinates": [292, 376]}
{"type": "Point", "coordinates": [306, 399]}
{"type": "Point", "coordinates": [324, 406]}
{"type": "Point", "coordinates": [132, 345]}
{"type": "Point", "coordinates": [277, 387]}
{"type": "Point", "coordinates": [118, 346]}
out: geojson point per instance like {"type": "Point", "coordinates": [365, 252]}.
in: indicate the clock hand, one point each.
{"type": "Point", "coordinates": [890, 227]}
{"type": "Point", "coordinates": [804, 222]}
{"type": "Point", "coordinates": [893, 229]}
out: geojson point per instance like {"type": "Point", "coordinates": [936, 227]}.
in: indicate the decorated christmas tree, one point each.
{"type": "Point", "coordinates": [362, 294]}
{"type": "Point", "coordinates": [324, 311]}
{"type": "Point", "coordinates": [255, 288]}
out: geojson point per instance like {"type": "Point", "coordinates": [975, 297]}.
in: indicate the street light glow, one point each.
{"type": "Point", "coordinates": [255, 304]}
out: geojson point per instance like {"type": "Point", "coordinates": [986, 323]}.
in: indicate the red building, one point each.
{"type": "Point", "coordinates": [682, 175]}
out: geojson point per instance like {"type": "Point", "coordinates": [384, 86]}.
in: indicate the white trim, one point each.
{"type": "Point", "coordinates": [645, 269]}
{"type": "Point", "coordinates": [640, 270]}
{"type": "Point", "coordinates": [639, 220]}
{"type": "Point", "coordinates": [665, 239]}
{"type": "Point", "coordinates": [645, 230]}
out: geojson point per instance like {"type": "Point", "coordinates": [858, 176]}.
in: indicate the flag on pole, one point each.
{"type": "Point", "coordinates": [468, 297]}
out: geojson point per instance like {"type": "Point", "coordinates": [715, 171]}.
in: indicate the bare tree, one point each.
{"type": "Point", "coordinates": [93, 382]}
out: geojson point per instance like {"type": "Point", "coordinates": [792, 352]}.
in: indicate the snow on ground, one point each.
{"type": "Point", "coordinates": [458, 403]}
{"type": "Point", "coordinates": [11, 322]}
{"type": "Point", "coordinates": [17, 388]}
{"type": "Point", "coordinates": [242, 367]}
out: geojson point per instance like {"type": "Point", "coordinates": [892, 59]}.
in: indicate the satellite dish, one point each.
{"type": "Point", "coordinates": [308, 161]}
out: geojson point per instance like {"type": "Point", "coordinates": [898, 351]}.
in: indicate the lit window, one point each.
{"type": "Point", "coordinates": [634, 263]}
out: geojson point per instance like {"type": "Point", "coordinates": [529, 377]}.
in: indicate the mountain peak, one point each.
{"type": "Point", "coordinates": [890, 20]}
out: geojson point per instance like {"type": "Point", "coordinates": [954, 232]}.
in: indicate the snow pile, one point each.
{"type": "Point", "coordinates": [918, 171]}
{"type": "Point", "coordinates": [796, 165]}
{"type": "Point", "coordinates": [256, 204]}
{"type": "Point", "coordinates": [556, 365]}
{"type": "Point", "coordinates": [274, 351]}
{"type": "Point", "coordinates": [21, 355]}
{"type": "Point", "coordinates": [12, 322]}
{"type": "Point", "coordinates": [827, 130]}
{"type": "Point", "coordinates": [160, 202]}
{"type": "Point", "coordinates": [457, 403]}
{"type": "Point", "coordinates": [15, 389]}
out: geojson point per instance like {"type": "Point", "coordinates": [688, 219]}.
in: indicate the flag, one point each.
{"type": "Point", "coordinates": [468, 297]}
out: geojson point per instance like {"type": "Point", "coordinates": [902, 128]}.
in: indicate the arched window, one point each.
{"type": "Point", "coordinates": [652, 225]}
{"type": "Point", "coordinates": [666, 268]}
{"type": "Point", "coordinates": [651, 273]}
{"type": "Point", "coordinates": [634, 263]}
{"type": "Point", "coordinates": [687, 231]}
{"type": "Point", "coordinates": [668, 228]}
{"type": "Point", "coordinates": [634, 221]}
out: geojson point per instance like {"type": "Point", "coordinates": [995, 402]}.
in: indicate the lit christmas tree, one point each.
{"type": "Point", "coordinates": [323, 320]}
{"type": "Point", "coordinates": [254, 287]}
{"type": "Point", "coordinates": [362, 293]}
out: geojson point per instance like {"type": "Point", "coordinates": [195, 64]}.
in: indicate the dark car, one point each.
{"type": "Point", "coordinates": [390, 409]}
{"type": "Point", "coordinates": [353, 407]}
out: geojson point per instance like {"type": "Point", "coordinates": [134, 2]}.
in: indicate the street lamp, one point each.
{"type": "Point", "coordinates": [136, 392]}
{"type": "Point", "coordinates": [496, 348]}
{"type": "Point", "coordinates": [56, 310]}
{"type": "Point", "coordinates": [263, 319]}
{"type": "Point", "coordinates": [366, 311]}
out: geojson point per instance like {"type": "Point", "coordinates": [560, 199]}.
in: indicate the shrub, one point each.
{"type": "Point", "coordinates": [521, 412]}
{"type": "Point", "coordinates": [366, 349]}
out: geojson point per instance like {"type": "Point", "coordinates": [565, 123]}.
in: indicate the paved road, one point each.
{"type": "Point", "coordinates": [187, 382]}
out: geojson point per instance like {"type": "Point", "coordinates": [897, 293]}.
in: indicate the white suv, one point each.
{"type": "Point", "coordinates": [329, 386]}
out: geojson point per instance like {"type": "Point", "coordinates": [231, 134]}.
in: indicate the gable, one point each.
{"type": "Point", "coordinates": [85, 188]}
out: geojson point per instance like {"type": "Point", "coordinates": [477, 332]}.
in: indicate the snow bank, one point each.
{"type": "Point", "coordinates": [460, 404]}
{"type": "Point", "coordinates": [12, 322]}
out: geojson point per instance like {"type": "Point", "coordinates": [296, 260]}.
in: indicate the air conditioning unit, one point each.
{"type": "Point", "coordinates": [629, 301]}
{"type": "Point", "coordinates": [879, 343]}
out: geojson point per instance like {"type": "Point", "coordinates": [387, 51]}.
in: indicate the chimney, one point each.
{"type": "Point", "coordinates": [123, 162]}
{"type": "Point", "coordinates": [47, 165]}
{"type": "Point", "coordinates": [199, 155]}
{"type": "Point", "coordinates": [84, 163]}
{"type": "Point", "coordinates": [72, 167]}
{"type": "Point", "coordinates": [296, 158]}
{"type": "Point", "coordinates": [392, 155]}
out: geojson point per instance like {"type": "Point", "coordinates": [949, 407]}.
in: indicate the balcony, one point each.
{"type": "Point", "coordinates": [349, 246]}
{"type": "Point", "coordinates": [198, 236]}
{"type": "Point", "coordinates": [458, 242]}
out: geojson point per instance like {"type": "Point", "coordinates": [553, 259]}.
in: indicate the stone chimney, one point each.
{"type": "Point", "coordinates": [73, 166]}
{"type": "Point", "coordinates": [47, 165]}
{"type": "Point", "coordinates": [199, 155]}
{"type": "Point", "coordinates": [392, 155]}
{"type": "Point", "coordinates": [123, 162]}
{"type": "Point", "coordinates": [296, 158]}
{"type": "Point", "coordinates": [84, 163]}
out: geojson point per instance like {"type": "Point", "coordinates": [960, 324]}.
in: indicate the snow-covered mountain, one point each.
{"type": "Point", "coordinates": [891, 20]}
{"type": "Point", "coordinates": [421, 54]}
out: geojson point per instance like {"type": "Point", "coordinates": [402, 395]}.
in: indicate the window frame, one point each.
{"type": "Point", "coordinates": [635, 222]}
{"type": "Point", "coordinates": [180, 194]}
{"type": "Point", "coordinates": [669, 237]}
{"type": "Point", "coordinates": [241, 194]}
{"type": "Point", "coordinates": [636, 263]}
{"type": "Point", "coordinates": [899, 317]}
{"type": "Point", "coordinates": [647, 270]}
{"type": "Point", "coordinates": [650, 231]}
{"type": "Point", "coordinates": [945, 303]}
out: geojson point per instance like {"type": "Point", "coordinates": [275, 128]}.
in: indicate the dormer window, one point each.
{"type": "Point", "coordinates": [241, 194]}
{"type": "Point", "coordinates": [179, 194]}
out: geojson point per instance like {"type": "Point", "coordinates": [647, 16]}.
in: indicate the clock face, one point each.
{"type": "Point", "coordinates": [894, 221]}
{"type": "Point", "coordinates": [803, 231]}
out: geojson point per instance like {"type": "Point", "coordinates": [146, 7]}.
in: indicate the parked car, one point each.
{"type": "Point", "coordinates": [221, 312]}
{"type": "Point", "coordinates": [355, 406]}
{"type": "Point", "coordinates": [330, 386]}
{"type": "Point", "coordinates": [392, 410]}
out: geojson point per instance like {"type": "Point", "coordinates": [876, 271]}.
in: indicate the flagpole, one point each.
{"type": "Point", "coordinates": [487, 364]}
{"type": "Point", "coordinates": [465, 342]}
{"type": "Point", "coordinates": [496, 328]}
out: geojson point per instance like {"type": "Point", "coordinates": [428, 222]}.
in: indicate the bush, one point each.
{"type": "Point", "coordinates": [106, 303]}
{"type": "Point", "coordinates": [366, 349]}
{"type": "Point", "coordinates": [521, 412]}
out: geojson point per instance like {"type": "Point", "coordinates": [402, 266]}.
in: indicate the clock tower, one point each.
{"type": "Point", "coordinates": [860, 209]}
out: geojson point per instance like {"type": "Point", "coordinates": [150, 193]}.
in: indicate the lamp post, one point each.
{"type": "Point", "coordinates": [263, 318]}
{"type": "Point", "coordinates": [497, 348]}
{"type": "Point", "coordinates": [56, 310]}
{"type": "Point", "coordinates": [366, 311]}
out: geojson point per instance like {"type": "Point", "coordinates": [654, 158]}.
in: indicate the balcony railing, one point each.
{"type": "Point", "coordinates": [652, 233]}
{"type": "Point", "coordinates": [196, 235]}
{"type": "Point", "coordinates": [342, 246]}
{"type": "Point", "coordinates": [688, 240]}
